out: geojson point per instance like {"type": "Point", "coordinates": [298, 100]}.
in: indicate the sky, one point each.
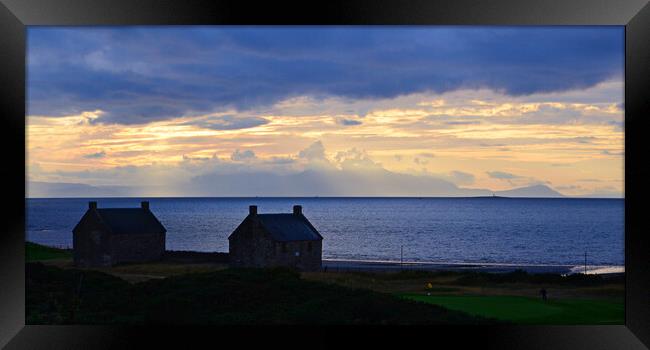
{"type": "Point", "coordinates": [397, 110]}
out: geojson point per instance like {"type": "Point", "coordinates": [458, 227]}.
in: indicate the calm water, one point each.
{"type": "Point", "coordinates": [500, 230]}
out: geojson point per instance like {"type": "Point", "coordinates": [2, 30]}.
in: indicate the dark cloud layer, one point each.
{"type": "Point", "coordinates": [139, 74]}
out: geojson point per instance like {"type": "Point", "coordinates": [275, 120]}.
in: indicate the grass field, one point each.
{"type": "Point", "coordinates": [37, 252]}
{"type": "Point", "coordinates": [231, 296]}
{"type": "Point", "coordinates": [509, 297]}
{"type": "Point", "coordinates": [527, 310]}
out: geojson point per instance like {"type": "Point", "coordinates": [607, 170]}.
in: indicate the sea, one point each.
{"type": "Point", "coordinates": [496, 230]}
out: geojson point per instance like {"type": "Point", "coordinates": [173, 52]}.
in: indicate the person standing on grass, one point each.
{"type": "Point", "coordinates": [543, 293]}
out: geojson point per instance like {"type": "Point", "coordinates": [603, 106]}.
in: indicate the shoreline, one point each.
{"type": "Point", "coordinates": [333, 264]}
{"type": "Point", "coordinates": [385, 265]}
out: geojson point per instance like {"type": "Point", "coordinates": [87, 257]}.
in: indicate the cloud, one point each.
{"type": "Point", "coordinates": [618, 125]}
{"type": "Point", "coordinates": [606, 192]}
{"type": "Point", "coordinates": [462, 178]}
{"type": "Point", "coordinates": [281, 160]}
{"type": "Point", "coordinates": [457, 177]}
{"type": "Point", "coordinates": [228, 122]}
{"type": "Point", "coordinates": [187, 158]}
{"type": "Point", "coordinates": [239, 156]}
{"type": "Point", "coordinates": [321, 182]}
{"type": "Point", "coordinates": [568, 188]}
{"type": "Point", "coordinates": [349, 173]}
{"type": "Point", "coordinates": [315, 151]}
{"type": "Point", "coordinates": [610, 153]}
{"type": "Point", "coordinates": [140, 74]}
{"type": "Point", "coordinates": [36, 189]}
{"type": "Point", "coordinates": [518, 180]}
{"type": "Point", "coordinates": [459, 122]}
{"type": "Point", "coordinates": [100, 154]}
{"type": "Point", "coordinates": [348, 122]}
{"type": "Point", "coordinates": [502, 175]}
{"type": "Point", "coordinates": [589, 180]}
{"type": "Point", "coordinates": [419, 161]}
{"type": "Point", "coordinates": [583, 139]}
{"type": "Point", "coordinates": [356, 160]}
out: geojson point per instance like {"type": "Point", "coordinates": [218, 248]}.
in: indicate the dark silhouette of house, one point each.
{"type": "Point", "coordinates": [105, 237]}
{"type": "Point", "coordinates": [271, 240]}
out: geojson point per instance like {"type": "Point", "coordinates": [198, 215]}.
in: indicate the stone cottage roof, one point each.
{"type": "Point", "coordinates": [130, 220]}
{"type": "Point", "coordinates": [127, 220]}
{"type": "Point", "coordinates": [289, 227]}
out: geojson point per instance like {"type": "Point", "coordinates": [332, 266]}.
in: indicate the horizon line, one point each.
{"type": "Point", "coordinates": [329, 197]}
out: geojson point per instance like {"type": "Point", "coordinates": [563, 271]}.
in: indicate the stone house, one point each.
{"type": "Point", "coordinates": [271, 240]}
{"type": "Point", "coordinates": [108, 236]}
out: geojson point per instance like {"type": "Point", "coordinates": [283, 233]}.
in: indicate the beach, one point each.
{"type": "Point", "coordinates": [388, 266]}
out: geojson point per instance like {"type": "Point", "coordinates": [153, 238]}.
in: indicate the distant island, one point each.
{"type": "Point", "coordinates": [277, 188]}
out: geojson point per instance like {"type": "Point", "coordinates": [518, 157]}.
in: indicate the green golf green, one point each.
{"type": "Point", "coordinates": [527, 310]}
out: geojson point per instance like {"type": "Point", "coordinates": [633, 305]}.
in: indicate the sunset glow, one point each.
{"type": "Point", "coordinates": [474, 136]}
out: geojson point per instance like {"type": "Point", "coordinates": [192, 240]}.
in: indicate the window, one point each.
{"type": "Point", "coordinates": [284, 247]}
{"type": "Point", "coordinates": [309, 246]}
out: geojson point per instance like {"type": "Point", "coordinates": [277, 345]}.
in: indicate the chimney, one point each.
{"type": "Point", "coordinates": [92, 205]}
{"type": "Point", "coordinates": [252, 210]}
{"type": "Point", "coordinates": [144, 205]}
{"type": "Point", "coordinates": [297, 210]}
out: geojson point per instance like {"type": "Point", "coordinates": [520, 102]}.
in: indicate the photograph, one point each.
{"type": "Point", "coordinates": [325, 175]}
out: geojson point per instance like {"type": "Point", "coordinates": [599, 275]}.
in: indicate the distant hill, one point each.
{"type": "Point", "coordinates": [64, 190]}
{"type": "Point", "coordinates": [307, 183]}
{"type": "Point", "coordinates": [531, 191]}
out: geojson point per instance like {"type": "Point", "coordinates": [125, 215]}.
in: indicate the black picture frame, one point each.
{"type": "Point", "coordinates": [16, 14]}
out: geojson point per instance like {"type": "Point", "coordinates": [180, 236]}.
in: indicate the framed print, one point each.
{"type": "Point", "coordinates": [382, 173]}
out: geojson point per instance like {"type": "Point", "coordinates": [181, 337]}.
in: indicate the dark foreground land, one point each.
{"type": "Point", "coordinates": [232, 296]}
{"type": "Point", "coordinates": [200, 289]}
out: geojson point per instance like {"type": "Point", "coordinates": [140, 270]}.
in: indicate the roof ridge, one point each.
{"type": "Point", "coordinates": [129, 208]}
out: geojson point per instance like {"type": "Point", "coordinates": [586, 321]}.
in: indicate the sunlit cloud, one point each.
{"type": "Point", "coordinates": [176, 124]}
